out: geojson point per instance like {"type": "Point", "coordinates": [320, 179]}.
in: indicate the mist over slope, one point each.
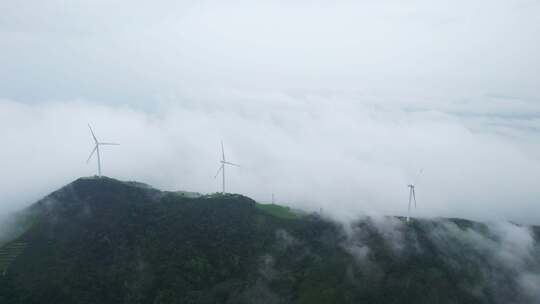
{"type": "Point", "coordinates": [107, 241]}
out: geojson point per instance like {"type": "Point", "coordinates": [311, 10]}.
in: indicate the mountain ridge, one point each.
{"type": "Point", "coordinates": [100, 240]}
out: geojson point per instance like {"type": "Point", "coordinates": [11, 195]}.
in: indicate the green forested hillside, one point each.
{"type": "Point", "coordinates": [105, 241]}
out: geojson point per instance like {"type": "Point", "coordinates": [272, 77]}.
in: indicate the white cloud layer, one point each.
{"type": "Point", "coordinates": [332, 104]}
{"type": "Point", "coordinates": [348, 158]}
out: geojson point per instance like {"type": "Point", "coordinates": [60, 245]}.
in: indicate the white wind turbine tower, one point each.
{"type": "Point", "coordinates": [223, 162]}
{"type": "Point", "coordinates": [412, 196]}
{"type": "Point", "coordinates": [96, 148]}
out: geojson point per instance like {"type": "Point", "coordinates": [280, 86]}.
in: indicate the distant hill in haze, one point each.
{"type": "Point", "coordinates": [107, 241]}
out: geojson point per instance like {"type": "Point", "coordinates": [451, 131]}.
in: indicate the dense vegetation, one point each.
{"type": "Point", "coordinates": [105, 241]}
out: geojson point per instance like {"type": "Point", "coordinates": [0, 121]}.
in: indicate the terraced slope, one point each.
{"type": "Point", "coordinates": [9, 253]}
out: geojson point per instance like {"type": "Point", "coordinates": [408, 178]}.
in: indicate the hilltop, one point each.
{"type": "Point", "coordinates": [107, 241]}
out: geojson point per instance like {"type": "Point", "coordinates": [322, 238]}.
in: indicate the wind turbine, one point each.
{"type": "Point", "coordinates": [96, 148]}
{"type": "Point", "coordinates": [221, 169]}
{"type": "Point", "coordinates": [412, 196]}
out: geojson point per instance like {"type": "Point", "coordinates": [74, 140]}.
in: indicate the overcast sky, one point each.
{"type": "Point", "coordinates": [328, 104]}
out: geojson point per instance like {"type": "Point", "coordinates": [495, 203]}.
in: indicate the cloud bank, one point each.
{"type": "Point", "coordinates": [333, 105]}
{"type": "Point", "coordinates": [313, 152]}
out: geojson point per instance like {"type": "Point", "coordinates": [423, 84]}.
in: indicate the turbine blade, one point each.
{"type": "Point", "coordinates": [414, 197]}
{"type": "Point", "coordinates": [109, 144]}
{"type": "Point", "coordinates": [229, 163]}
{"type": "Point", "coordinates": [93, 135]}
{"type": "Point", "coordinates": [219, 170]}
{"type": "Point", "coordinates": [222, 151]}
{"type": "Point", "coordinates": [410, 198]}
{"type": "Point", "coordinates": [91, 153]}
